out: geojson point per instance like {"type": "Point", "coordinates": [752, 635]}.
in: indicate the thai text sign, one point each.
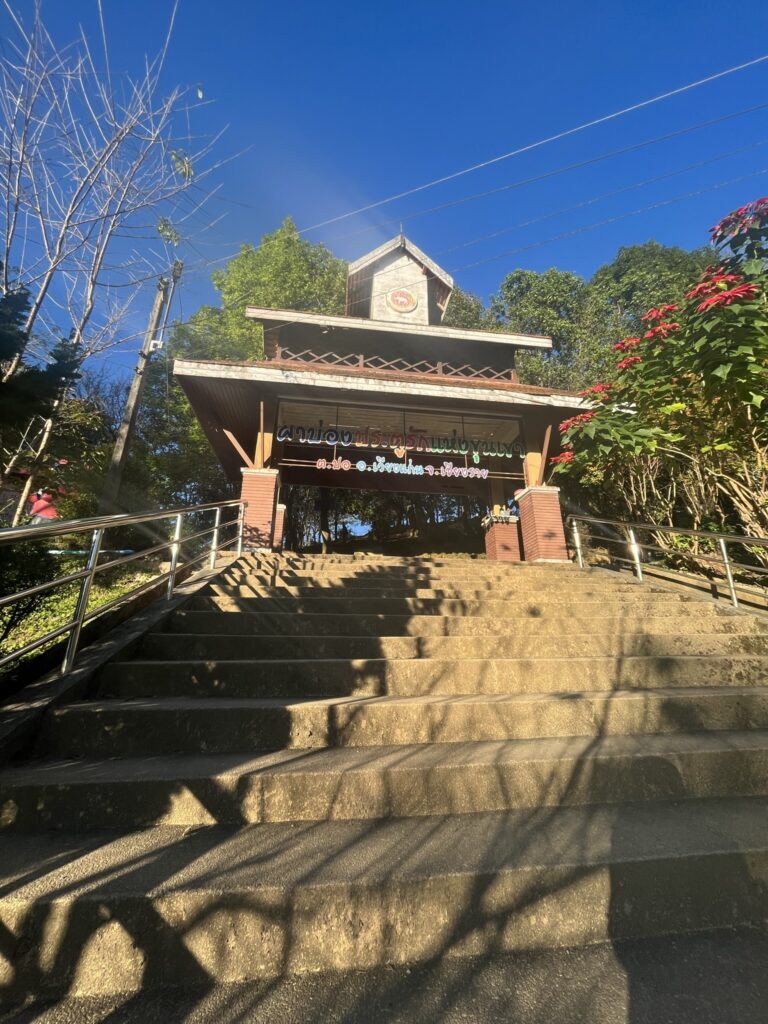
{"type": "Point", "coordinates": [380, 465]}
{"type": "Point", "coordinates": [401, 443]}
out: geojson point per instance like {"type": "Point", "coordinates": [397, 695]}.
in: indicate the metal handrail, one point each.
{"type": "Point", "coordinates": [97, 526]}
{"type": "Point", "coordinates": [636, 549]}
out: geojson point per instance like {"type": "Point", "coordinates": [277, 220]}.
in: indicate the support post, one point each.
{"type": "Point", "coordinates": [259, 494]}
{"type": "Point", "coordinates": [502, 539]}
{"type": "Point", "coordinates": [277, 534]}
{"type": "Point", "coordinates": [634, 547]}
{"type": "Point", "coordinates": [240, 527]}
{"type": "Point", "coordinates": [577, 543]}
{"type": "Point", "coordinates": [114, 477]}
{"type": "Point", "coordinates": [215, 538]}
{"type": "Point", "coordinates": [82, 601]}
{"type": "Point", "coordinates": [175, 546]}
{"type": "Point", "coordinates": [729, 572]}
{"type": "Point", "coordinates": [541, 524]}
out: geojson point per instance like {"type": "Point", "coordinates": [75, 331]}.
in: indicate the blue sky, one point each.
{"type": "Point", "coordinates": [343, 104]}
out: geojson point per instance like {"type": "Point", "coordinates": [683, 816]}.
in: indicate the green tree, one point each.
{"type": "Point", "coordinates": [285, 271]}
{"type": "Point", "coordinates": [468, 312]}
{"type": "Point", "coordinates": [643, 276]}
{"type": "Point", "coordinates": [680, 435]}
{"type": "Point", "coordinates": [171, 460]}
{"type": "Point", "coordinates": [35, 387]}
{"type": "Point", "coordinates": [558, 304]}
{"type": "Point", "coordinates": [586, 318]}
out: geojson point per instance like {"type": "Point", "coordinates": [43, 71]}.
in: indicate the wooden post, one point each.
{"type": "Point", "coordinates": [544, 454]}
{"type": "Point", "coordinates": [114, 477]}
{"type": "Point", "coordinates": [260, 450]}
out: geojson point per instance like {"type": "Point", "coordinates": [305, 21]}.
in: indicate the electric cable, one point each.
{"type": "Point", "coordinates": [541, 142]}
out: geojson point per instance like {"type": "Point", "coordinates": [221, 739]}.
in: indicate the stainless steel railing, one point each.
{"type": "Point", "coordinates": [625, 535]}
{"type": "Point", "coordinates": [97, 527]}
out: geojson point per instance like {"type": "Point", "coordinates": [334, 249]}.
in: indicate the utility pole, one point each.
{"type": "Point", "coordinates": [160, 309]}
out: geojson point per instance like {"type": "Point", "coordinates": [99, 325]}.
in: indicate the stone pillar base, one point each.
{"type": "Point", "coordinates": [277, 533]}
{"type": "Point", "coordinates": [502, 540]}
{"type": "Point", "coordinates": [541, 525]}
{"type": "Point", "coordinates": [259, 490]}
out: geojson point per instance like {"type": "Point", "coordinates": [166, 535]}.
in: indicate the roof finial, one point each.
{"type": "Point", "coordinates": [402, 233]}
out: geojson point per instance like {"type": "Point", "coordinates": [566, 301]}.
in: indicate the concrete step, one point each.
{"type": "Point", "coordinates": [387, 564]}
{"type": "Point", "coordinates": [413, 677]}
{"type": "Point", "coordinates": [690, 619]}
{"type": "Point", "coordinates": [218, 647]}
{"type": "Point", "coordinates": [228, 599]}
{"type": "Point", "coordinates": [491, 579]}
{"type": "Point", "coordinates": [106, 912]}
{"type": "Point", "coordinates": [713, 977]}
{"type": "Point", "coordinates": [466, 592]}
{"type": "Point", "coordinates": [381, 782]}
{"type": "Point", "coordinates": [154, 726]}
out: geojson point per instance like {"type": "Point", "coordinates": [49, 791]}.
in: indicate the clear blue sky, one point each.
{"type": "Point", "coordinates": [346, 103]}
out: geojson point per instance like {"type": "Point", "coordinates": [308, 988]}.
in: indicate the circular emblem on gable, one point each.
{"type": "Point", "coordinates": [402, 300]}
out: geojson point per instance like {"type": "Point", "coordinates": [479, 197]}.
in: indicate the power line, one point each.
{"type": "Point", "coordinates": [551, 174]}
{"type": "Point", "coordinates": [634, 147]}
{"type": "Point", "coordinates": [605, 195]}
{"type": "Point", "coordinates": [541, 142]}
{"type": "Point", "coordinates": [611, 220]}
{"type": "Point", "coordinates": [559, 237]}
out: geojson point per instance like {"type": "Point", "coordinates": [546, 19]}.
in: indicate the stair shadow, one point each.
{"type": "Point", "coordinates": [613, 885]}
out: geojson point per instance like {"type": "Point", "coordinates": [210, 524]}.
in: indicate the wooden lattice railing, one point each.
{"type": "Point", "coordinates": [423, 367]}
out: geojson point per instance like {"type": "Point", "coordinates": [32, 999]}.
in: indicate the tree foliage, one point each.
{"type": "Point", "coordinates": [468, 312]}
{"type": "Point", "coordinates": [172, 461]}
{"type": "Point", "coordinates": [585, 318]}
{"type": "Point", "coordinates": [680, 433]}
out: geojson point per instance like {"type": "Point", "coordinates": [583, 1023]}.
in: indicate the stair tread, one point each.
{"type": "Point", "coordinates": [403, 757]}
{"type": "Point", "coordinates": [252, 703]}
{"type": "Point", "coordinates": [360, 663]}
{"type": "Point", "coordinates": [171, 860]}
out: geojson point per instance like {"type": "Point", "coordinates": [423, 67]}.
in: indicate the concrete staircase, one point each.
{"type": "Point", "coordinates": [334, 764]}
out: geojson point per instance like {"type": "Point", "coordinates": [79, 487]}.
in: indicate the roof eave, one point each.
{"type": "Point", "coordinates": [278, 317]}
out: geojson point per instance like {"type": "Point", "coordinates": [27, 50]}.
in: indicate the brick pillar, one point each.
{"type": "Point", "coordinates": [277, 533]}
{"type": "Point", "coordinates": [259, 490]}
{"type": "Point", "coordinates": [541, 524]}
{"type": "Point", "coordinates": [502, 541]}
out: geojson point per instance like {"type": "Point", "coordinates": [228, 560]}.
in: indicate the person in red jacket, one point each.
{"type": "Point", "coordinates": [43, 508]}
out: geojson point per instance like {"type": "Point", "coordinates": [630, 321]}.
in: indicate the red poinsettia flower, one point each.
{"type": "Point", "coordinates": [741, 291]}
{"type": "Point", "coordinates": [660, 312]}
{"type": "Point", "coordinates": [563, 459]}
{"type": "Point", "coordinates": [596, 389]}
{"type": "Point", "coordinates": [720, 278]}
{"type": "Point", "coordinates": [576, 421]}
{"type": "Point", "coordinates": [626, 344]}
{"type": "Point", "coordinates": [627, 362]}
{"type": "Point", "coordinates": [739, 221]}
{"type": "Point", "coordinates": [661, 330]}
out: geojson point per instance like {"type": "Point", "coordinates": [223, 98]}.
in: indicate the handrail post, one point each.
{"type": "Point", "coordinates": [82, 601]}
{"type": "Point", "coordinates": [215, 538]}
{"type": "Point", "coordinates": [729, 572]}
{"type": "Point", "coordinates": [175, 548]}
{"type": "Point", "coordinates": [577, 543]}
{"type": "Point", "coordinates": [634, 547]}
{"type": "Point", "coordinates": [240, 528]}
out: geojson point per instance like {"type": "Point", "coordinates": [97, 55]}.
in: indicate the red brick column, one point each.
{"type": "Point", "coordinates": [502, 541]}
{"type": "Point", "coordinates": [541, 524]}
{"type": "Point", "coordinates": [277, 533]}
{"type": "Point", "coordinates": [260, 491]}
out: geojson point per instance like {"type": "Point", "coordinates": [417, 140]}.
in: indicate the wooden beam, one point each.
{"type": "Point", "coordinates": [260, 451]}
{"type": "Point", "coordinates": [238, 448]}
{"type": "Point", "coordinates": [544, 454]}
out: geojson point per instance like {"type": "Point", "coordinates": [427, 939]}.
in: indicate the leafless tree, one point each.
{"type": "Point", "coordinates": [99, 177]}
